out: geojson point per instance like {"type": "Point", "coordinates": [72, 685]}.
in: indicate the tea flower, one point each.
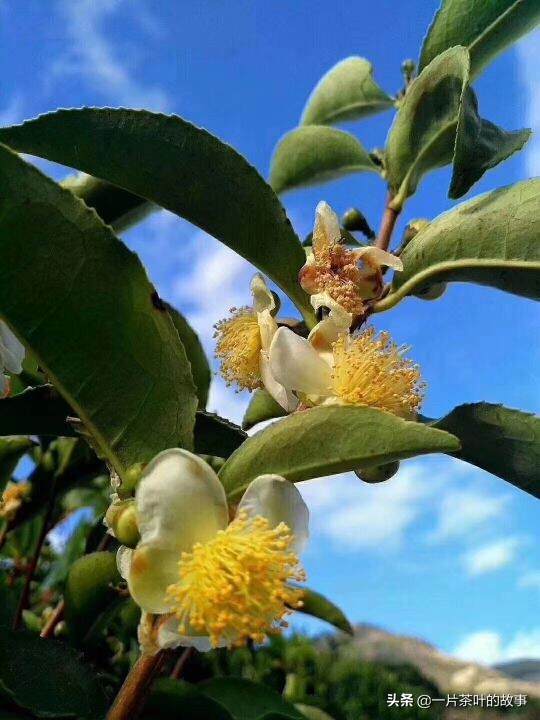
{"type": "Point", "coordinates": [333, 367]}
{"type": "Point", "coordinates": [12, 498]}
{"type": "Point", "coordinates": [213, 582]}
{"type": "Point", "coordinates": [11, 357]}
{"type": "Point", "coordinates": [243, 343]}
{"type": "Point", "coordinates": [348, 277]}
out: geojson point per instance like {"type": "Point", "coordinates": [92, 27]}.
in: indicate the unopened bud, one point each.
{"type": "Point", "coordinates": [353, 220]}
{"type": "Point", "coordinates": [431, 292]}
{"type": "Point", "coordinates": [377, 474]}
{"type": "Point", "coordinates": [408, 68]}
{"type": "Point", "coordinates": [130, 480]}
{"type": "Point", "coordinates": [121, 518]}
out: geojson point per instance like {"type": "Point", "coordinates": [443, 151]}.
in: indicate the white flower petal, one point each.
{"type": "Point", "coordinates": [281, 395]}
{"type": "Point", "coordinates": [11, 350]}
{"type": "Point", "coordinates": [152, 570]}
{"type": "Point", "coordinates": [180, 501]}
{"type": "Point", "coordinates": [123, 561]}
{"type": "Point", "coordinates": [262, 296]}
{"type": "Point", "coordinates": [341, 317]}
{"type": "Point", "coordinates": [278, 500]}
{"type": "Point", "coordinates": [376, 257]}
{"type": "Point", "coordinates": [296, 365]}
{"type": "Point", "coordinates": [169, 637]}
{"type": "Point", "coordinates": [267, 327]}
{"type": "Point", "coordinates": [326, 223]}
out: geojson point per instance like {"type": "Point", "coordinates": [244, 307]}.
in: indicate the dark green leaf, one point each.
{"type": "Point", "coordinates": [11, 451]}
{"type": "Point", "coordinates": [48, 678]}
{"type": "Point", "coordinates": [503, 441]}
{"type": "Point", "coordinates": [312, 713]}
{"type": "Point", "coordinates": [262, 406]}
{"type": "Point", "coordinates": [112, 352]}
{"type": "Point", "coordinates": [178, 700]}
{"type": "Point", "coordinates": [181, 168]}
{"type": "Point", "coordinates": [246, 700]}
{"type": "Point", "coordinates": [195, 354]}
{"type": "Point", "coordinates": [480, 145]}
{"type": "Point", "coordinates": [116, 207]}
{"type": "Point", "coordinates": [491, 240]}
{"type": "Point", "coordinates": [320, 607]}
{"type": "Point", "coordinates": [326, 440]}
{"type": "Point", "coordinates": [346, 92]}
{"type": "Point", "coordinates": [314, 154]}
{"type": "Point", "coordinates": [215, 435]}
{"type": "Point", "coordinates": [485, 27]}
{"type": "Point", "coordinates": [89, 590]}
{"type": "Point", "coordinates": [36, 411]}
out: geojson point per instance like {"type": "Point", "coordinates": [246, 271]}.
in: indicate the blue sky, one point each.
{"type": "Point", "coordinates": [443, 551]}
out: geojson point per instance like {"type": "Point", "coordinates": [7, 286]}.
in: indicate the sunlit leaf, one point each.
{"type": "Point", "coordinates": [313, 154]}
{"type": "Point", "coordinates": [262, 406]}
{"type": "Point", "coordinates": [326, 440]}
{"type": "Point", "coordinates": [491, 240]}
{"type": "Point", "coordinates": [318, 606]}
{"type": "Point", "coordinates": [485, 27]}
{"type": "Point", "coordinates": [346, 92]}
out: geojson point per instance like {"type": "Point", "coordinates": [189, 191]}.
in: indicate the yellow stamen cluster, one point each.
{"type": "Point", "coordinates": [370, 370]}
{"type": "Point", "coordinates": [238, 348]}
{"type": "Point", "coordinates": [12, 498]}
{"type": "Point", "coordinates": [234, 587]}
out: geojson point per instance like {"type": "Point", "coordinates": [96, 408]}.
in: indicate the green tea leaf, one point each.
{"type": "Point", "coordinates": [174, 699]}
{"type": "Point", "coordinates": [48, 678]}
{"type": "Point", "coordinates": [314, 154]}
{"type": "Point", "coordinates": [491, 240]}
{"type": "Point", "coordinates": [311, 712]}
{"type": "Point", "coordinates": [246, 700]}
{"type": "Point", "coordinates": [422, 135]}
{"type": "Point", "coordinates": [326, 440]}
{"type": "Point", "coordinates": [180, 167]}
{"type": "Point", "coordinates": [485, 27]}
{"type": "Point", "coordinates": [200, 369]}
{"type": "Point", "coordinates": [89, 590]}
{"type": "Point", "coordinates": [113, 352]}
{"type": "Point", "coordinates": [11, 451]}
{"type": "Point", "coordinates": [35, 411]}
{"type": "Point", "coordinates": [262, 406]}
{"type": "Point", "coordinates": [503, 441]}
{"type": "Point", "coordinates": [480, 145]}
{"type": "Point", "coordinates": [215, 435]}
{"type": "Point", "coordinates": [346, 92]}
{"type": "Point", "coordinates": [320, 607]}
{"type": "Point", "coordinates": [116, 207]}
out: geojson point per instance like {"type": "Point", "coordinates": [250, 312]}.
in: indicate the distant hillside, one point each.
{"type": "Point", "coordinates": [528, 670]}
{"type": "Point", "coordinates": [447, 673]}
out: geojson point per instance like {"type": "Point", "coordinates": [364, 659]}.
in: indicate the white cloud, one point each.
{"type": "Point", "coordinates": [528, 54]}
{"type": "Point", "coordinates": [93, 56]}
{"type": "Point", "coordinates": [491, 557]}
{"type": "Point", "coordinates": [530, 580]}
{"type": "Point", "coordinates": [462, 511]}
{"type": "Point", "coordinates": [356, 515]}
{"type": "Point", "coordinates": [487, 647]}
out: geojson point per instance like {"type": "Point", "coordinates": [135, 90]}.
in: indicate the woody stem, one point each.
{"type": "Point", "coordinates": [387, 225]}
{"type": "Point", "coordinates": [132, 695]}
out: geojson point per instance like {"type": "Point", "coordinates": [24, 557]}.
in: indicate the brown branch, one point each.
{"type": "Point", "coordinates": [387, 225]}
{"type": "Point", "coordinates": [132, 695]}
{"type": "Point", "coordinates": [25, 595]}
{"type": "Point", "coordinates": [55, 617]}
{"type": "Point", "coordinates": [181, 663]}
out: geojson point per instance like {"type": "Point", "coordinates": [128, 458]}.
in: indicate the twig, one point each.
{"type": "Point", "coordinates": [3, 535]}
{"type": "Point", "coordinates": [387, 225]}
{"type": "Point", "coordinates": [23, 601]}
{"type": "Point", "coordinates": [131, 697]}
{"type": "Point", "coordinates": [55, 617]}
{"type": "Point", "coordinates": [181, 663]}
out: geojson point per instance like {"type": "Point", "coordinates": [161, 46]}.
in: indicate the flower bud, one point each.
{"type": "Point", "coordinates": [121, 518]}
{"type": "Point", "coordinates": [378, 474]}
{"type": "Point", "coordinates": [130, 480]}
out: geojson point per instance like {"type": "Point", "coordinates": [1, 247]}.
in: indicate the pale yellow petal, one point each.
{"type": "Point", "coordinates": [297, 366]}
{"type": "Point", "coordinates": [152, 570]}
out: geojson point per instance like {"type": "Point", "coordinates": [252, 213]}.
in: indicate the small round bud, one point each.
{"type": "Point", "coordinates": [431, 292]}
{"type": "Point", "coordinates": [353, 220]}
{"type": "Point", "coordinates": [130, 480]}
{"type": "Point", "coordinates": [121, 518]}
{"type": "Point", "coordinates": [408, 68]}
{"type": "Point", "coordinates": [215, 462]}
{"type": "Point", "coordinates": [377, 474]}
